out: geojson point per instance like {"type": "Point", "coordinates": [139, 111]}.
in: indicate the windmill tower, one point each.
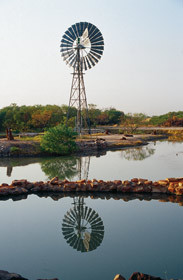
{"type": "Point", "coordinates": [82, 46]}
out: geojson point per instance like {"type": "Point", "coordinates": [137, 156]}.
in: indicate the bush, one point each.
{"type": "Point", "coordinates": [59, 140]}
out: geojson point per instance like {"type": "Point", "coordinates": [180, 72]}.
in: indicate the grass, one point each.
{"type": "Point", "coordinates": [36, 138]}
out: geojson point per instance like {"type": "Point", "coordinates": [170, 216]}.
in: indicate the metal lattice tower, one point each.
{"type": "Point", "coordinates": [82, 46]}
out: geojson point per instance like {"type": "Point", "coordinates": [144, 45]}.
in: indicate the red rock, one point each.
{"type": "Point", "coordinates": [159, 189]}
{"type": "Point", "coordinates": [119, 277]}
{"type": "Point", "coordinates": [117, 182]}
{"type": "Point", "coordinates": [126, 189]}
{"type": "Point", "coordinates": [163, 182]}
{"type": "Point", "coordinates": [54, 181]}
{"type": "Point", "coordinates": [4, 185]}
{"type": "Point", "coordinates": [141, 181]}
{"type": "Point", "coordinates": [141, 276]}
{"type": "Point", "coordinates": [134, 180]}
{"type": "Point", "coordinates": [138, 189]}
{"type": "Point", "coordinates": [171, 189]}
{"type": "Point", "coordinates": [113, 187]}
{"type": "Point", "coordinates": [127, 183]}
{"type": "Point", "coordinates": [19, 182]}
{"type": "Point", "coordinates": [179, 191]}
{"type": "Point", "coordinates": [147, 188]}
{"type": "Point", "coordinates": [148, 183]}
{"type": "Point", "coordinates": [155, 184]}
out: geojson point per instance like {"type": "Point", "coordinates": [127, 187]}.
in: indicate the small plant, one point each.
{"type": "Point", "coordinates": [14, 150]}
{"type": "Point", "coordinates": [59, 140]}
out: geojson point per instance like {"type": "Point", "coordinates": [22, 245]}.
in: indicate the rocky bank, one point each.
{"type": "Point", "coordinates": [5, 275]}
{"type": "Point", "coordinates": [173, 186]}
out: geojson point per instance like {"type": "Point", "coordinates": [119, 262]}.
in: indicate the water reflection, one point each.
{"type": "Point", "coordinates": [62, 167]}
{"type": "Point", "coordinates": [139, 153]}
{"type": "Point", "coordinates": [82, 227]}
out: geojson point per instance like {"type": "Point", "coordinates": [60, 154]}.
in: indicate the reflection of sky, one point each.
{"type": "Point", "coordinates": [138, 237]}
{"type": "Point", "coordinates": [167, 161]}
{"type": "Point", "coordinates": [142, 64]}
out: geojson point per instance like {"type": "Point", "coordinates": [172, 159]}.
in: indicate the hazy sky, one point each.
{"type": "Point", "coordinates": [141, 69]}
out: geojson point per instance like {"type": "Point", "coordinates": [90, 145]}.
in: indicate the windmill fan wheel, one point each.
{"type": "Point", "coordinates": [82, 45]}
{"type": "Point", "coordinates": [83, 229]}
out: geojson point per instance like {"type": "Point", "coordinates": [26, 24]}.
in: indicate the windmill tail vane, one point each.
{"type": "Point", "coordinates": [82, 46]}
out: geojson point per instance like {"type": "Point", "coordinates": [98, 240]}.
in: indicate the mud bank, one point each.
{"type": "Point", "coordinates": [92, 146]}
{"type": "Point", "coordinates": [169, 186]}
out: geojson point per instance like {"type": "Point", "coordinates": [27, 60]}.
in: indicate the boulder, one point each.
{"type": "Point", "coordinates": [5, 275]}
{"type": "Point", "coordinates": [119, 277]}
{"type": "Point", "coordinates": [142, 276]}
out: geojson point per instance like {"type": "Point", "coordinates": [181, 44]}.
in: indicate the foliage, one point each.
{"type": "Point", "coordinates": [160, 120]}
{"type": "Point", "coordinates": [14, 150]}
{"type": "Point", "coordinates": [59, 140]}
{"type": "Point", "coordinates": [132, 121]}
{"type": "Point", "coordinates": [64, 167]}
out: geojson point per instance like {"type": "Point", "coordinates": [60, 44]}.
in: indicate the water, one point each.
{"type": "Point", "coordinates": [138, 236]}
{"type": "Point", "coordinates": [156, 161]}
{"type": "Point", "coordinates": [102, 237]}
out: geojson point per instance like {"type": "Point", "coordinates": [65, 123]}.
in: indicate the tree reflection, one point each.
{"type": "Point", "coordinates": [82, 227]}
{"type": "Point", "coordinates": [139, 153]}
{"type": "Point", "coordinates": [64, 168]}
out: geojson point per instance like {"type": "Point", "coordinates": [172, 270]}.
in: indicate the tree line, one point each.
{"type": "Point", "coordinates": [40, 118]}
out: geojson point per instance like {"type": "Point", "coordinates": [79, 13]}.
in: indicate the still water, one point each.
{"type": "Point", "coordinates": [155, 161]}
{"type": "Point", "coordinates": [93, 238]}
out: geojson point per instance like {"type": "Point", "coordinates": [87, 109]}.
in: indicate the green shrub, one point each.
{"type": "Point", "coordinates": [59, 140]}
{"type": "Point", "coordinates": [14, 149]}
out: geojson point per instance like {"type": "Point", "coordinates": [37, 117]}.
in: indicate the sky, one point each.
{"type": "Point", "coordinates": [141, 69]}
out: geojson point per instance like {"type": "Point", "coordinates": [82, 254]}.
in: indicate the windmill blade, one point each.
{"type": "Point", "coordinates": [96, 39]}
{"type": "Point", "coordinates": [91, 60]}
{"type": "Point", "coordinates": [93, 31]}
{"type": "Point", "coordinates": [65, 45]}
{"type": "Point", "coordinates": [96, 35]}
{"type": "Point", "coordinates": [91, 56]}
{"type": "Point", "coordinates": [85, 65]}
{"type": "Point", "coordinates": [66, 42]}
{"type": "Point", "coordinates": [94, 54]}
{"type": "Point", "coordinates": [96, 51]}
{"type": "Point", "coordinates": [100, 43]}
{"type": "Point", "coordinates": [75, 30]}
{"type": "Point", "coordinates": [69, 35]}
{"type": "Point", "coordinates": [67, 38]}
{"type": "Point", "coordinates": [78, 26]}
{"type": "Point", "coordinates": [71, 32]}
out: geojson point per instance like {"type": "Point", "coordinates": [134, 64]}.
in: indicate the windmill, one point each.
{"type": "Point", "coordinates": [82, 46]}
{"type": "Point", "coordinates": [82, 227]}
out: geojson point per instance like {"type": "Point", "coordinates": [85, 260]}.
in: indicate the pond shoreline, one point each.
{"type": "Point", "coordinates": [135, 276]}
{"type": "Point", "coordinates": [94, 145]}
{"type": "Point", "coordinates": [169, 186]}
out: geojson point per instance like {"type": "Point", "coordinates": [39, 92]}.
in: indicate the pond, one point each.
{"type": "Point", "coordinates": [83, 238]}
{"type": "Point", "coordinates": [158, 160]}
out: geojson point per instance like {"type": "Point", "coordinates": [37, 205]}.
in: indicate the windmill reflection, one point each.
{"type": "Point", "coordinates": [82, 227]}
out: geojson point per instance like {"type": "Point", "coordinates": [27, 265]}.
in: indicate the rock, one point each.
{"type": "Point", "coordinates": [134, 180]}
{"type": "Point", "coordinates": [5, 275]}
{"type": "Point", "coordinates": [163, 182]}
{"type": "Point", "coordinates": [54, 181]}
{"type": "Point", "coordinates": [49, 279]}
{"type": "Point", "coordinates": [119, 277]}
{"type": "Point", "coordinates": [141, 276]}
{"type": "Point", "coordinates": [19, 183]}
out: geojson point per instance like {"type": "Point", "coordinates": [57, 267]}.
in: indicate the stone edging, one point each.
{"type": "Point", "coordinates": [168, 186]}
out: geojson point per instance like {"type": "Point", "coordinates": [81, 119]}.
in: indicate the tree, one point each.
{"type": "Point", "coordinates": [59, 140]}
